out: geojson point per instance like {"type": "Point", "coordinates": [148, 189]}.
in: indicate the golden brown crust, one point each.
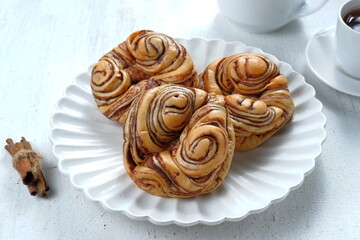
{"type": "Point", "coordinates": [145, 55]}
{"type": "Point", "coordinates": [256, 95]}
{"type": "Point", "coordinates": [178, 141]}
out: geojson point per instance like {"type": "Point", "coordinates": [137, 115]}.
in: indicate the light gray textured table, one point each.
{"type": "Point", "coordinates": [46, 44]}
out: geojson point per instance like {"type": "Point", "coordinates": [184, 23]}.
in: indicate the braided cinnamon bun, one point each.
{"type": "Point", "coordinates": [122, 74]}
{"type": "Point", "coordinates": [179, 142]}
{"type": "Point", "coordinates": [256, 95]}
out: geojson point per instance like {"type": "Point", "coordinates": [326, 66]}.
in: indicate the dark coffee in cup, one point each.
{"type": "Point", "coordinates": [347, 38]}
{"type": "Point", "coordinates": [352, 19]}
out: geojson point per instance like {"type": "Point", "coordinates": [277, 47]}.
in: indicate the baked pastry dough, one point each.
{"type": "Point", "coordinates": [119, 75]}
{"type": "Point", "coordinates": [256, 95]}
{"type": "Point", "coordinates": [179, 142]}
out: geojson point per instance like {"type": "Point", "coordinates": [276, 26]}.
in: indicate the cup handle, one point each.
{"type": "Point", "coordinates": [308, 9]}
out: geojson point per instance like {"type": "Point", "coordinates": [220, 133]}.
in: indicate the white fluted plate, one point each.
{"type": "Point", "coordinates": [89, 149]}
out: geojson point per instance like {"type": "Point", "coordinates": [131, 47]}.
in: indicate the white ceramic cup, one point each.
{"type": "Point", "coordinates": [347, 42]}
{"type": "Point", "coordinates": [262, 16]}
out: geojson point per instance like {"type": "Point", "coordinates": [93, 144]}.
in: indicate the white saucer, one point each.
{"type": "Point", "coordinates": [321, 59]}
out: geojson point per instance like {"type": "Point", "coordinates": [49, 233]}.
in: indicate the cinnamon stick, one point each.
{"type": "Point", "coordinates": [27, 163]}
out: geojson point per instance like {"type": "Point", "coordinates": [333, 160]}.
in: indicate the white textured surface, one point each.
{"type": "Point", "coordinates": [46, 44]}
{"type": "Point", "coordinates": [89, 149]}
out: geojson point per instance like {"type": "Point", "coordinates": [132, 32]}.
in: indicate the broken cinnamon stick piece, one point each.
{"type": "Point", "coordinates": [27, 163]}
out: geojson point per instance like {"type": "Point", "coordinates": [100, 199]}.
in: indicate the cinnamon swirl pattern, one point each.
{"type": "Point", "coordinates": [123, 73]}
{"type": "Point", "coordinates": [178, 141]}
{"type": "Point", "coordinates": [256, 95]}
